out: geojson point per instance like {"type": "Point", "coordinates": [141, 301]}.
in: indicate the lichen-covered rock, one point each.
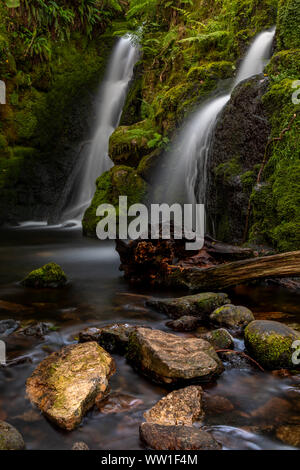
{"type": "Point", "coordinates": [8, 326]}
{"type": "Point", "coordinates": [167, 358]}
{"type": "Point", "coordinates": [113, 338]}
{"type": "Point", "coordinates": [186, 323]}
{"type": "Point", "coordinates": [80, 446]}
{"type": "Point", "coordinates": [232, 316]}
{"type": "Point", "coordinates": [220, 339]}
{"type": "Point", "coordinates": [181, 407]}
{"type": "Point", "coordinates": [10, 438]}
{"type": "Point", "coordinates": [270, 343]}
{"type": "Point", "coordinates": [198, 305]}
{"type": "Point", "coordinates": [289, 434]}
{"type": "Point", "coordinates": [160, 437]}
{"type": "Point", "coordinates": [66, 384]}
{"type": "Point", "coordinates": [50, 275]}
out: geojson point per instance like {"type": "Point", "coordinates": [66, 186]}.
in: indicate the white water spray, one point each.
{"type": "Point", "coordinates": [190, 152]}
{"type": "Point", "coordinates": [111, 101]}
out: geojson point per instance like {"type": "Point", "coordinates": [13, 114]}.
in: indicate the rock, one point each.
{"type": "Point", "coordinates": [118, 403]}
{"type": "Point", "coordinates": [67, 383]}
{"type": "Point", "coordinates": [215, 404]}
{"type": "Point", "coordinates": [289, 434]}
{"type": "Point", "coordinates": [181, 407]}
{"type": "Point", "coordinates": [219, 339]}
{"type": "Point", "coordinates": [39, 330]}
{"type": "Point", "coordinates": [198, 305]}
{"type": "Point", "coordinates": [232, 316]}
{"type": "Point", "coordinates": [177, 438]}
{"type": "Point", "coordinates": [167, 358]}
{"type": "Point", "coordinates": [80, 446]}
{"type": "Point", "coordinates": [186, 323]}
{"type": "Point", "coordinates": [10, 438]}
{"type": "Point", "coordinates": [270, 343]}
{"type": "Point", "coordinates": [50, 275]}
{"type": "Point", "coordinates": [113, 338]}
{"type": "Point", "coordinates": [8, 326]}
{"type": "Point", "coordinates": [275, 410]}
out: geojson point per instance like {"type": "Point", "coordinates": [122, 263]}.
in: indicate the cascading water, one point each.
{"type": "Point", "coordinates": [186, 163]}
{"type": "Point", "coordinates": [110, 106]}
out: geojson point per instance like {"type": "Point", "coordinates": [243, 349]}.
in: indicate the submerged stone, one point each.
{"type": "Point", "coordinates": [198, 305]}
{"type": "Point", "coordinates": [186, 323]}
{"type": "Point", "coordinates": [160, 437]}
{"type": "Point", "coordinates": [270, 343]}
{"type": "Point", "coordinates": [67, 383]}
{"type": "Point", "coordinates": [167, 358]}
{"type": "Point", "coordinates": [180, 407]}
{"type": "Point", "coordinates": [10, 438]}
{"type": "Point", "coordinates": [232, 316]}
{"type": "Point", "coordinates": [50, 275]}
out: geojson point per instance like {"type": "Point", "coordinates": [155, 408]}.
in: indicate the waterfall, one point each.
{"type": "Point", "coordinates": [186, 164]}
{"type": "Point", "coordinates": [110, 104]}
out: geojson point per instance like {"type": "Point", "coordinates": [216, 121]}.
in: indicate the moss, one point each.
{"type": "Point", "coordinates": [288, 24]}
{"type": "Point", "coordinates": [119, 181]}
{"type": "Point", "coordinates": [228, 170]}
{"type": "Point", "coordinates": [50, 275]}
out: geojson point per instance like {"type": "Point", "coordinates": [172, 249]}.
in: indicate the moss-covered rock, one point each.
{"type": "Point", "coordinates": [270, 343]}
{"type": "Point", "coordinates": [232, 316]}
{"type": "Point", "coordinates": [50, 275]}
{"type": "Point", "coordinates": [220, 339]}
{"type": "Point", "coordinates": [67, 383]}
{"type": "Point", "coordinates": [10, 438]}
{"type": "Point", "coordinates": [119, 181]}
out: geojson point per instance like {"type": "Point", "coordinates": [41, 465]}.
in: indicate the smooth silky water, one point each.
{"type": "Point", "coordinates": [96, 296]}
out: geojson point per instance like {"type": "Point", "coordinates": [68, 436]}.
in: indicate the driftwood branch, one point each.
{"type": "Point", "coordinates": [235, 273]}
{"type": "Point", "coordinates": [265, 159]}
{"type": "Point", "coordinates": [241, 353]}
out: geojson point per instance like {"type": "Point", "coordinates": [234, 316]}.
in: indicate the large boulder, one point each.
{"type": "Point", "coordinates": [160, 437]}
{"type": "Point", "coordinates": [270, 343]}
{"type": "Point", "coordinates": [232, 316]}
{"type": "Point", "coordinates": [10, 438]}
{"type": "Point", "coordinates": [198, 305]}
{"type": "Point", "coordinates": [167, 358]}
{"type": "Point", "coordinates": [50, 275]}
{"type": "Point", "coordinates": [66, 384]}
{"type": "Point", "coordinates": [180, 407]}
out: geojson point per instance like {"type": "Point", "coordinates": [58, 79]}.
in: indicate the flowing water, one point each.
{"type": "Point", "coordinates": [109, 109]}
{"type": "Point", "coordinates": [98, 295]}
{"type": "Point", "coordinates": [190, 151]}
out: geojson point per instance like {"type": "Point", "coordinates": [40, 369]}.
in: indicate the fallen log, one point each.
{"type": "Point", "coordinates": [237, 272]}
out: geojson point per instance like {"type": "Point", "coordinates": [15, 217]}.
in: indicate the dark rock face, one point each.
{"type": "Point", "coordinates": [198, 305]}
{"type": "Point", "coordinates": [271, 344]}
{"type": "Point", "coordinates": [239, 143]}
{"type": "Point", "coordinates": [160, 437]}
{"type": "Point", "coordinates": [169, 359]}
{"type": "Point", "coordinates": [10, 438]}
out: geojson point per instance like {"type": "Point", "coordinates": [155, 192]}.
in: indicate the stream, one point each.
{"type": "Point", "coordinates": [95, 296]}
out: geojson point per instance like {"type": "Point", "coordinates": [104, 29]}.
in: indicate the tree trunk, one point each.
{"type": "Point", "coordinates": [238, 272]}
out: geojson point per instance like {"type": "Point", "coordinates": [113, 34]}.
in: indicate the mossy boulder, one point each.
{"type": "Point", "coordinates": [50, 275]}
{"type": "Point", "coordinates": [67, 383]}
{"type": "Point", "coordinates": [119, 181]}
{"type": "Point", "coordinates": [198, 305]}
{"type": "Point", "coordinates": [169, 359]}
{"type": "Point", "coordinates": [220, 339]}
{"type": "Point", "coordinates": [270, 343]}
{"type": "Point", "coordinates": [232, 316]}
{"type": "Point", "coordinates": [10, 438]}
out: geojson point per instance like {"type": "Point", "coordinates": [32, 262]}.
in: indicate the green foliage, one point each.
{"type": "Point", "coordinates": [288, 24]}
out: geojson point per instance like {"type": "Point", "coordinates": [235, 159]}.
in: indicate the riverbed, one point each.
{"type": "Point", "coordinates": [98, 295]}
